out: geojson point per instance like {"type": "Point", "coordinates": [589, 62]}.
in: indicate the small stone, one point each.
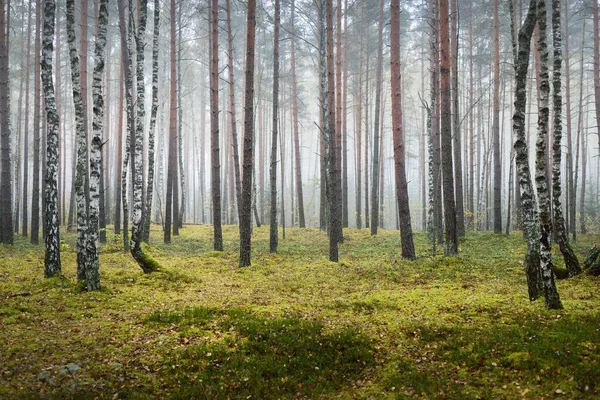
{"type": "Point", "coordinates": [44, 375]}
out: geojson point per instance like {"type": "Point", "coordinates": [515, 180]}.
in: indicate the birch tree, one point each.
{"type": "Point", "coordinates": [550, 293]}
{"type": "Point", "coordinates": [92, 273]}
{"type": "Point", "coordinates": [562, 237]}
{"type": "Point", "coordinates": [52, 265]}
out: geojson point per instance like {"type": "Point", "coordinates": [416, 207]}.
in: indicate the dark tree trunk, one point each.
{"type": "Point", "coordinates": [248, 162]}
{"type": "Point", "coordinates": [273, 235]}
{"type": "Point", "coordinates": [376, 120]}
{"type": "Point", "coordinates": [214, 126]}
{"type": "Point", "coordinates": [451, 245]}
{"type": "Point", "coordinates": [406, 238]}
{"type": "Point", "coordinates": [171, 214]}
{"type": "Point", "coordinates": [6, 215]}
{"type": "Point", "coordinates": [35, 194]}
{"type": "Point", "coordinates": [496, 126]}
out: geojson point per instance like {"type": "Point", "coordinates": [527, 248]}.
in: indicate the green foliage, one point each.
{"type": "Point", "coordinates": [375, 325]}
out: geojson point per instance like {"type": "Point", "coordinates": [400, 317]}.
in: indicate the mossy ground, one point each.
{"type": "Point", "coordinates": [295, 325]}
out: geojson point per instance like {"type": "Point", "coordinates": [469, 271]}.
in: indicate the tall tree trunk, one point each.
{"type": "Point", "coordinates": [496, 127]}
{"type": "Point", "coordinates": [596, 66]}
{"type": "Point", "coordinates": [181, 209]}
{"type": "Point", "coordinates": [550, 293]}
{"type": "Point", "coordinates": [451, 248]}
{"type": "Point", "coordinates": [171, 212]}
{"type": "Point", "coordinates": [92, 272]}
{"type": "Point", "coordinates": [581, 139]}
{"type": "Point", "coordinates": [232, 113]}
{"type": "Point", "coordinates": [562, 234]}
{"type": "Point", "coordinates": [52, 265]}
{"type": "Point", "coordinates": [324, 125]}
{"type": "Point", "coordinates": [345, 218]}
{"type": "Point", "coordinates": [25, 203]}
{"type": "Point", "coordinates": [376, 120]}
{"type": "Point", "coordinates": [335, 223]}
{"type": "Point", "coordinates": [571, 194]}
{"type": "Point", "coordinates": [144, 260]}
{"type": "Point", "coordinates": [214, 124]}
{"type": "Point", "coordinates": [35, 194]}
{"type": "Point", "coordinates": [456, 125]}
{"type": "Point", "coordinates": [6, 216]}
{"type": "Point", "coordinates": [273, 235]}
{"type": "Point", "coordinates": [343, 201]}
{"type": "Point", "coordinates": [248, 162]}
{"type": "Point", "coordinates": [152, 127]}
{"type": "Point", "coordinates": [432, 128]}
{"type": "Point", "coordinates": [119, 161]}
{"type": "Point", "coordinates": [82, 150]}
{"type": "Point", "coordinates": [406, 238]}
{"type": "Point", "coordinates": [299, 193]}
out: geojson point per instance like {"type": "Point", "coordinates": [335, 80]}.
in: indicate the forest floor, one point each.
{"type": "Point", "coordinates": [295, 325]}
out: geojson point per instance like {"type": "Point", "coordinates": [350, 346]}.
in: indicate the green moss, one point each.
{"type": "Point", "coordinates": [375, 325]}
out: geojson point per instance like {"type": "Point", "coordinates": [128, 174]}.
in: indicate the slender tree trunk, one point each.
{"type": "Point", "coordinates": [92, 272]}
{"type": "Point", "coordinates": [550, 293]}
{"type": "Point", "coordinates": [571, 194]}
{"type": "Point", "coordinates": [247, 172]}
{"type": "Point", "coordinates": [406, 238]}
{"type": "Point", "coordinates": [596, 67]}
{"type": "Point", "coordinates": [432, 127]}
{"type": "Point", "coordinates": [82, 150]}
{"type": "Point", "coordinates": [273, 235]}
{"type": "Point", "coordinates": [530, 217]}
{"type": "Point", "coordinates": [376, 121]}
{"type": "Point", "coordinates": [214, 123]}
{"type": "Point", "coordinates": [25, 202]}
{"type": "Point", "coordinates": [581, 138]}
{"type": "Point", "coordinates": [343, 201]}
{"type": "Point", "coordinates": [232, 113]}
{"type": "Point", "coordinates": [181, 209]}
{"type": "Point", "coordinates": [562, 235]}
{"type": "Point", "coordinates": [171, 213]}
{"type": "Point", "coordinates": [324, 125]}
{"type": "Point", "coordinates": [152, 127]}
{"type": "Point", "coordinates": [119, 162]}
{"type": "Point", "coordinates": [144, 260]}
{"type": "Point", "coordinates": [456, 137]}
{"type": "Point", "coordinates": [451, 248]}
{"type": "Point", "coordinates": [345, 217]}
{"type": "Point", "coordinates": [496, 127]}
{"type": "Point", "coordinates": [6, 215]}
{"type": "Point", "coordinates": [35, 194]}
{"type": "Point", "coordinates": [52, 265]}
{"type": "Point", "coordinates": [299, 193]}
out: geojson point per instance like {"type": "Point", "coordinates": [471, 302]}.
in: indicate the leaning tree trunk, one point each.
{"type": "Point", "coordinates": [529, 209]}
{"type": "Point", "coordinates": [152, 127]}
{"type": "Point", "coordinates": [550, 293]}
{"type": "Point", "coordinates": [406, 237]}
{"type": "Point", "coordinates": [248, 161]}
{"type": "Point", "coordinates": [562, 237]}
{"type": "Point", "coordinates": [92, 273]}
{"type": "Point", "coordinates": [82, 149]}
{"type": "Point", "coordinates": [52, 264]}
{"type": "Point", "coordinates": [273, 234]}
{"type": "Point", "coordinates": [145, 261]}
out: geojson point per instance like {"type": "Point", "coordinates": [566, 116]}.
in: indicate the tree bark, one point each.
{"type": "Point", "coordinates": [562, 235]}
{"type": "Point", "coordinates": [451, 243]}
{"type": "Point", "coordinates": [152, 127]}
{"type": "Point", "coordinates": [496, 126]}
{"type": "Point", "coordinates": [35, 194]}
{"type": "Point", "coordinates": [214, 123]}
{"type": "Point", "coordinates": [596, 67]}
{"type": "Point", "coordinates": [273, 235]}
{"type": "Point", "coordinates": [247, 172]}
{"type": "Point", "coordinates": [550, 293]}
{"type": "Point", "coordinates": [406, 238]}
{"type": "Point", "coordinates": [376, 121]}
{"type": "Point", "coordinates": [52, 265]}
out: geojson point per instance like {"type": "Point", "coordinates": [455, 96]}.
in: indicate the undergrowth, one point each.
{"type": "Point", "coordinates": [295, 325]}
